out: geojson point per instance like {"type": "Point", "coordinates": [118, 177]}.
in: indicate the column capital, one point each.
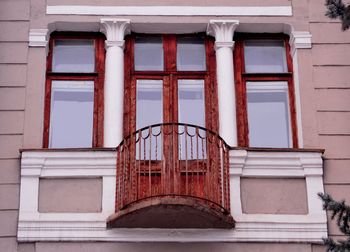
{"type": "Point", "coordinates": [223, 31]}
{"type": "Point", "coordinates": [115, 30]}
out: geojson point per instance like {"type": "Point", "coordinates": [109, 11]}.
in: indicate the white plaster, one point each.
{"type": "Point", "coordinates": [115, 30]}
{"type": "Point", "coordinates": [38, 37]}
{"type": "Point", "coordinates": [170, 10]}
{"type": "Point", "coordinates": [223, 31]}
{"type": "Point", "coordinates": [300, 40]}
{"type": "Point", "coordinates": [34, 226]}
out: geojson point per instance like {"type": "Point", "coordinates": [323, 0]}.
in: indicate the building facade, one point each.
{"type": "Point", "coordinates": [171, 125]}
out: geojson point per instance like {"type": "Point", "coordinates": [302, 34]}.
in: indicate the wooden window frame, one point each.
{"type": "Point", "coordinates": [241, 78]}
{"type": "Point", "coordinates": [170, 75]}
{"type": "Point", "coordinates": [97, 77]}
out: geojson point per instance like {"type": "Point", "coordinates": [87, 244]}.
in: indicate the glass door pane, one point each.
{"type": "Point", "coordinates": [149, 110]}
{"type": "Point", "coordinates": [191, 110]}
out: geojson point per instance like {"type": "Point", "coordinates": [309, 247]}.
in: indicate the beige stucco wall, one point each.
{"type": "Point", "coordinates": [14, 27]}
{"type": "Point", "coordinates": [324, 74]}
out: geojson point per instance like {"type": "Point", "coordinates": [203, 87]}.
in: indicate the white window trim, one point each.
{"type": "Point", "coordinates": [36, 226]}
{"type": "Point", "coordinates": [169, 10]}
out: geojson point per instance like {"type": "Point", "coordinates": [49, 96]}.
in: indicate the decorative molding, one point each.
{"type": "Point", "coordinates": [300, 40]}
{"type": "Point", "coordinates": [169, 10]}
{"type": "Point", "coordinates": [223, 31]}
{"type": "Point", "coordinates": [38, 37]}
{"type": "Point", "coordinates": [35, 226]}
{"type": "Point", "coordinates": [115, 30]}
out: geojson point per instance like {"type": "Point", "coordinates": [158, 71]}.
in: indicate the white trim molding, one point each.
{"type": "Point", "coordinates": [39, 38]}
{"type": "Point", "coordinates": [169, 10]}
{"type": "Point", "coordinates": [300, 40]}
{"type": "Point", "coordinates": [36, 226]}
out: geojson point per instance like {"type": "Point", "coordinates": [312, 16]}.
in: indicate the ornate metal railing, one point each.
{"type": "Point", "coordinates": [173, 159]}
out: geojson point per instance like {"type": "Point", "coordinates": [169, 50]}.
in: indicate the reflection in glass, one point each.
{"type": "Point", "coordinates": [73, 56]}
{"type": "Point", "coordinates": [265, 56]}
{"type": "Point", "coordinates": [71, 114]}
{"type": "Point", "coordinates": [149, 110]}
{"type": "Point", "coordinates": [191, 111]}
{"type": "Point", "coordinates": [268, 114]}
{"type": "Point", "coordinates": [190, 54]}
{"type": "Point", "coordinates": [149, 53]}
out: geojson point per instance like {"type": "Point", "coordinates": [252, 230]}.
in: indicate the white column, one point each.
{"type": "Point", "coordinates": [115, 30]}
{"type": "Point", "coordinates": [223, 31]}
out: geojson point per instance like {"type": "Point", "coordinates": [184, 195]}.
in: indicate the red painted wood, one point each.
{"type": "Point", "coordinates": [97, 77]}
{"type": "Point", "coordinates": [241, 77]}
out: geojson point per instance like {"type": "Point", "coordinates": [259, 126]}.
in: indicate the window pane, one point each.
{"type": "Point", "coordinates": [74, 56]}
{"type": "Point", "coordinates": [190, 54]}
{"type": "Point", "coordinates": [268, 114]}
{"type": "Point", "coordinates": [149, 53]}
{"type": "Point", "coordinates": [265, 56]}
{"type": "Point", "coordinates": [71, 116]}
{"type": "Point", "coordinates": [149, 110]}
{"type": "Point", "coordinates": [191, 111]}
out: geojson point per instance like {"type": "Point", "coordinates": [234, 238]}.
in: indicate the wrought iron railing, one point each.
{"type": "Point", "coordinates": [173, 159]}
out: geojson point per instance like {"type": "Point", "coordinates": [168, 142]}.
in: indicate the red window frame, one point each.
{"type": "Point", "coordinates": [97, 77]}
{"type": "Point", "coordinates": [170, 75]}
{"type": "Point", "coordinates": [241, 77]}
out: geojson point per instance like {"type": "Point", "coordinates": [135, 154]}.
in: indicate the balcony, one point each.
{"type": "Point", "coordinates": [172, 175]}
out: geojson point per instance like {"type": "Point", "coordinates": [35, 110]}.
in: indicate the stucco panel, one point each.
{"type": "Point", "coordinates": [8, 225]}
{"type": "Point", "coordinates": [331, 54]}
{"type": "Point", "coordinates": [318, 248]}
{"type": "Point", "coordinates": [14, 31]}
{"type": "Point", "coordinates": [9, 195]}
{"type": "Point", "coordinates": [10, 145]}
{"type": "Point", "coordinates": [333, 122]}
{"type": "Point", "coordinates": [331, 76]}
{"type": "Point", "coordinates": [26, 247]}
{"type": "Point", "coordinates": [11, 122]}
{"type": "Point", "coordinates": [8, 244]}
{"type": "Point", "coordinates": [70, 195]}
{"type": "Point", "coordinates": [13, 52]}
{"type": "Point", "coordinates": [172, 247]}
{"type": "Point", "coordinates": [336, 171]}
{"type": "Point", "coordinates": [338, 192]}
{"type": "Point", "coordinates": [14, 10]}
{"type": "Point", "coordinates": [336, 146]}
{"type": "Point", "coordinates": [13, 74]}
{"type": "Point", "coordinates": [172, 2]}
{"type": "Point", "coordinates": [317, 10]}
{"type": "Point", "coordinates": [328, 33]}
{"type": "Point", "coordinates": [333, 99]}
{"type": "Point", "coordinates": [9, 171]}
{"type": "Point", "coordinates": [274, 196]}
{"type": "Point", "coordinates": [12, 98]}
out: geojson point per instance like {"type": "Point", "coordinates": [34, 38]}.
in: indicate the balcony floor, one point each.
{"type": "Point", "coordinates": [171, 212]}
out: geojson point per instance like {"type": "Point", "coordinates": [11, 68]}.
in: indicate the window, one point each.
{"type": "Point", "coordinates": [169, 78]}
{"type": "Point", "coordinates": [74, 90]}
{"type": "Point", "coordinates": [265, 92]}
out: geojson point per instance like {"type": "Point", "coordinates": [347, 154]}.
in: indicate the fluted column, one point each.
{"type": "Point", "coordinates": [115, 30]}
{"type": "Point", "coordinates": [223, 31]}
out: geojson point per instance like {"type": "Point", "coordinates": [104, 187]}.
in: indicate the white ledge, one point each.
{"type": "Point", "coordinates": [169, 10]}
{"type": "Point", "coordinates": [38, 37]}
{"type": "Point", "coordinates": [36, 226]}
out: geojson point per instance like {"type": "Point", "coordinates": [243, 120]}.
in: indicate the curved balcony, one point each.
{"type": "Point", "coordinates": [172, 175]}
